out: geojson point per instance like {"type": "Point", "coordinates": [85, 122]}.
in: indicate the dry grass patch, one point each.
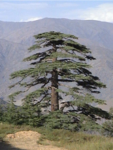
{"type": "Point", "coordinates": [77, 141]}
{"type": "Point", "coordinates": [42, 139]}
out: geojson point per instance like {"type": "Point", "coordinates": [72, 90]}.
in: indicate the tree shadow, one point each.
{"type": "Point", "coordinates": [5, 146]}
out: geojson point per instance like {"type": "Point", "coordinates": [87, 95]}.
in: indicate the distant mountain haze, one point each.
{"type": "Point", "coordinates": [15, 38]}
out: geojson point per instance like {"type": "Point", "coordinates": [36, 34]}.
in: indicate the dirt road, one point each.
{"type": "Point", "coordinates": [25, 140]}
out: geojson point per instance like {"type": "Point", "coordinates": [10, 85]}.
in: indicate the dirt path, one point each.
{"type": "Point", "coordinates": [25, 140]}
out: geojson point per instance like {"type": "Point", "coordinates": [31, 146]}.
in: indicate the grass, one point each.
{"type": "Point", "coordinates": [63, 138]}
{"type": "Point", "coordinates": [6, 128]}
{"type": "Point", "coordinates": [77, 141]}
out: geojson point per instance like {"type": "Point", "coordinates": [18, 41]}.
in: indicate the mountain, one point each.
{"type": "Point", "coordinates": [3, 103]}
{"type": "Point", "coordinates": [16, 37]}
{"type": "Point", "coordinates": [96, 31]}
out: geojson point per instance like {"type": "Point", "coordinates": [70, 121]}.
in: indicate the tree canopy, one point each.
{"type": "Point", "coordinates": [65, 83]}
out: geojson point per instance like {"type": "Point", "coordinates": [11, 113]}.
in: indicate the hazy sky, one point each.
{"type": "Point", "coordinates": [29, 10]}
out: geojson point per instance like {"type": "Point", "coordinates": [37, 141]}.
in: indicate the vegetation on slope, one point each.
{"type": "Point", "coordinates": [63, 138]}
{"type": "Point", "coordinates": [65, 61]}
{"type": "Point", "coordinates": [59, 71]}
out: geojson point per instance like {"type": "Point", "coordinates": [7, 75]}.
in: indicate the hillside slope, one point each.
{"type": "Point", "coordinates": [15, 38]}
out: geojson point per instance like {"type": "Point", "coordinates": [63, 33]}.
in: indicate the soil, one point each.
{"type": "Point", "coordinates": [25, 140]}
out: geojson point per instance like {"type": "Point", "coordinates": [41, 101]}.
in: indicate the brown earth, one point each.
{"type": "Point", "coordinates": [26, 140]}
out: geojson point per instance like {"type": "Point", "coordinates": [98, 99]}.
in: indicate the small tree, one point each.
{"type": "Point", "coordinates": [60, 70]}
{"type": "Point", "coordinates": [108, 125]}
{"type": "Point", "coordinates": [1, 113]}
{"type": "Point", "coordinates": [10, 113]}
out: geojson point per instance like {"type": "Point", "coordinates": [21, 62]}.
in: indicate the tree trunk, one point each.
{"type": "Point", "coordinates": [54, 86]}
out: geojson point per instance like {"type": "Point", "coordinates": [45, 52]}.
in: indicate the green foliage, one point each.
{"type": "Point", "coordinates": [6, 128]}
{"type": "Point", "coordinates": [28, 114]}
{"type": "Point", "coordinates": [76, 140]}
{"type": "Point", "coordinates": [1, 113]}
{"type": "Point", "coordinates": [58, 120]}
{"type": "Point", "coordinates": [70, 121]}
{"type": "Point", "coordinates": [108, 125]}
{"type": "Point", "coordinates": [108, 128]}
{"type": "Point", "coordinates": [65, 59]}
{"type": "Point", "coordinates": [12, 96]}
{"type": "Point", "coordinates": [11, 113]}
{"type": "Point", "coordinates": [62, 138]}
{"type": "Point", "coordinates": [31, 114]}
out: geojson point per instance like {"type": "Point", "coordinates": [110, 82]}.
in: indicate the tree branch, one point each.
{"type": "Point", "coordinates": [65, 80]}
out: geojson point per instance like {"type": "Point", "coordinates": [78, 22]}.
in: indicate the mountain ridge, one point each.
{"type": "Point", "coordinates": [17, 37]}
